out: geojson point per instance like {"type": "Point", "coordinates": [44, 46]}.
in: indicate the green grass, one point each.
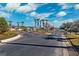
{"type": "Point", "coordinates": [74, 36]}
{"type": "Point", "coordinates": [75, 42]}
{"type": "Point", "coordinates": [7, 35]}
{"type": "Point", "coordinates": [74, 39]}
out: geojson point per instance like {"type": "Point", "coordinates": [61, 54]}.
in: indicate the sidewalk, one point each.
{"type": "Point", "coordinates": [69, 51]}
{"type": "Point", "coordinates": [65, 50]}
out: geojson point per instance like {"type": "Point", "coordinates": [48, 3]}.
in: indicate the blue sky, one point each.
{"type": "Point", "coordinates": [56, 13]}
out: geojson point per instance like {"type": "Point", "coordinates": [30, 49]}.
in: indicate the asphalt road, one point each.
{"type": "Point", "coordinates": [32, 44]}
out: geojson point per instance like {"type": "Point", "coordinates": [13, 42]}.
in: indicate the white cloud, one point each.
{"type": "Point", "coordinates": [58, 23]}
{"type": "Point", "coordinates": [17, 7]}
{"type": "Point", "coordinates": [41, 16]}
{"type": "Point", "coordinates": [76, 6]}
{"type": "Point", "coordinates": [11, 7]}
{"type": "Point", "coordinates": [69, 20]}
{"type": "Point", "coordinates": [61, 14]}
{"type": "Point", "coordinates": [44, 15]}
{"type": "Point", "coordinates": [64, 21]}
{"type": "Point", "coordinates": [33, 14]}
{"type": "Point", "coordinates": [27, 8]}
{"type": "Point", "coordinates": [65, 6]}
{"type": "Point", "coordinates": [3, 14]}
{"type": "Point", "coordinates": [61, 3]}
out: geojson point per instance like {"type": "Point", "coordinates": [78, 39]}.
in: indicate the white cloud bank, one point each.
{"type": "Point", "coordinates": [17, 7]}
{"type": "Point", "coordinates": [27, 8]}
{"type": "Point", "coordinates": [41, 16]}
{"type": "Point", "coordinates": [11, 7]}
{"type": "Point", "coordinates": [76, 6]}
{"type": "Point", "coordinates": [3, 14]}
{"type": "Point", "coordinates": [64, 6]}
{"type": "Point", "coordinates": [58, 23]}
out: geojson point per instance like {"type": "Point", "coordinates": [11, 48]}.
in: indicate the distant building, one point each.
{"type": "Point", "coordinates": [12, 28]}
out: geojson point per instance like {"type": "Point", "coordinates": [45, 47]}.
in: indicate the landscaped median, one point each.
{"type": "Point", "coordinates": [9, 36]}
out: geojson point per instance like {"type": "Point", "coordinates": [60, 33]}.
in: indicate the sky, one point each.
{"type": "Point", "coordinates": [56, 13]}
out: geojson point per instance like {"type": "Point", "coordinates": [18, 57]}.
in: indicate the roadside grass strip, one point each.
{"type": "Point", "coordinates": [73, 38]}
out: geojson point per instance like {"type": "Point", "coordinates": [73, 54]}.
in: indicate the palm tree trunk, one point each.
{"type": "Point", "coordinates": [35, 22]}
{"type": "Point", "coordinates": [40, 24]}
{"type": "Point", "coordinates": [10, 24]}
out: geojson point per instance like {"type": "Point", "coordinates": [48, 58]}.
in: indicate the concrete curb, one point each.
{"type": "Point", "coordinates": [74, 49]}
{"type": "Point", "coordinates": [12, 39]}
{"type": "Point", "coordinates": [65, 51]}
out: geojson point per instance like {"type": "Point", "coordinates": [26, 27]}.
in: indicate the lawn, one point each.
{"type": "Point", "coordinates": [7, 35]}
{"type": "Point", "coordinates": [73, 38]}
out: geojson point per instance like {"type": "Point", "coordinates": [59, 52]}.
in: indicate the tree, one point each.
{"type": "Point", "coordinates": [10, 24]}
{"type": "Point", "coordinates": [18, 25]}
{"type": "Point", "coordinates": [37, 23]}
{"type": "Point", "coordinates": [46, 25]}
{"type": "Point", "coordinates": [67, 26]}
{"type": "Point", "coordinates": [71, 26]}
{"type": "Point", "coordinates": [22, 23]}
{"type": "Point", "coordinates": [75, 26]}
{"type": "Point", "coordinates": [3, 25]}
{"type": "Point", "coordinates": [43, 22]}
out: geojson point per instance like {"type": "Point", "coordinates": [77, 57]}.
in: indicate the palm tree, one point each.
{"type": "Point", "coordinates": [46, 25]}
{"type": "Point", "coordinates": [18, 23]}
{"type": "Point", "coordinates": [38, 23]}
{"type": "Point", "coordinates": [10, 24]}
{"type": "Point", "coordinates": [22, 23]}
{"type": "Point", "coordinates": [35, 22]}
{"type": "Point", "coordinates": [43, 22]}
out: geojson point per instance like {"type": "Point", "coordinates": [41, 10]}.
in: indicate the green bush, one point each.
{"type": "Point", "coordinates": [3, 25]}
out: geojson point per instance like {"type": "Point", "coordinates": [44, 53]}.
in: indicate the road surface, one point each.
{"type": "Point", "coordinates": [32, 44]}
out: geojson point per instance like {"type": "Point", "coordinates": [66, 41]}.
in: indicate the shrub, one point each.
{"type": "Point", "coordinates": [3, 25]}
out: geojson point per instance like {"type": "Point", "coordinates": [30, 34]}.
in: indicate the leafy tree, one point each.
{"type": "Point", "coordinates": [66, 26]}
{"type": "Point", "coordinates": [75, 26]}
{"type": "Point", "coordinates": [3, 25]}
{"type": "Point", "coordinates": [71, 26]}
